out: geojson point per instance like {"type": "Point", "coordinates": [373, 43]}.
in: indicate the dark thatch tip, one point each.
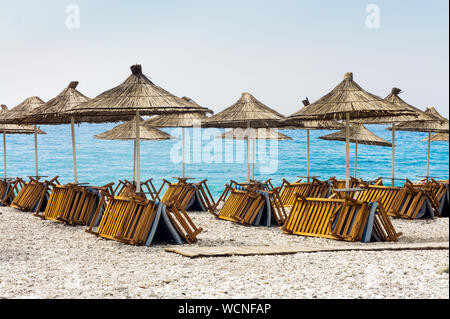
{"type": "Point", "coordinates": [73, 84]}
{"type": "Point", "coordinates": [136, 69]}
{"type": "Point", "coordinates": [306, 102]}
{"type": "Point", "coordinates": [348, 76]}
{"type": "Point", "coordinates": [187, 99]}
{"type": "Point", "coordinates": [4, 107]}
{"type": "Point", "coordinates": [396, 91]}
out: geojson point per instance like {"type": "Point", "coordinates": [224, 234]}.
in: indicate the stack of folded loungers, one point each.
{"type": "Point", "coordinates": [6, 195]}
{"type": "Point", "coordinates": [74, 204]}
{"type": "Point", "coordinates": [340, 219]}
{"type": "Point", "coordinates": [313, 189]}
{"type": "Point", "coordinates": [191, 196]}
{"type": "Point", "coordinates": [128, 217]}
{"type": "Point", "coordinates": [251, 204]}
{"type": "Point", "coordinates": [31, 196]}
{"type": "Point", "coordinates": [363, 214]}
{"type": "Point", "coordinates": [133, 219]}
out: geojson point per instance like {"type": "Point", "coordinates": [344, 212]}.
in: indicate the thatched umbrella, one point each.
{"type": "Point", "coordinates": [136, 96]}
{"type": "Point", "coordinates": [439, 125]}
{"type": "Point", "coordinates": [182, 120]}
{"type": "Point", "coordinates": [439, 137]}
{"type": "Point", "coordinates": [53, 113]}
{"type": "Point", "coordinates": [17, 112]}
{"type": "Point", "coordinates": [313, 125]}
{"type": "Point", "coordinates": [127, 131]}
{"type": "Point", "coordinates": [253, 134]}
{"type": "Point", "coordinates": [247, 112]}
{"type": "Point", "coordinates": [359, 134]}
{"type": "Point", "coordinates": [14, 129]}
{"type": "Point", "coordinates": [348, 101]}
{"type": "Point", "coordinates": [394, 97]}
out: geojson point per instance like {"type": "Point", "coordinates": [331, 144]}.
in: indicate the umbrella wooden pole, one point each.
{"type": "Point", "coordinates": [307, 156]}
{"type": "Point", "coordinates": [4, 154]}
{"type": "Point", "coordinates": [248, 159]}
{"type": "Point", "coordinates": [72, 127]}
{"type": "Point", "coordinates": [393, 154]}
{"type": "Point", "coordinates": [134, 160]}
{"type": "Point", "coordinates": [347, 150]}
{"type": "Point", "coordinates": [183, 151]}
{"type": "Point", "coordinates": [356, 159]}
{"type": "Point", "coordinates": [254, 159]}
{"type": "Point", "coordinates": [36, 150]}
{"type": "Point", "coordinates": [428, 156]}
{"type": "Point", "coordinates": [138, 155]}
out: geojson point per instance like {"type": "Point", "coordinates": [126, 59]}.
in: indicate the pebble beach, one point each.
{"type": "Point", "coordinates": [45, 259]}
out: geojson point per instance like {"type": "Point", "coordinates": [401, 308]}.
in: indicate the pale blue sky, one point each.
{"type": "Point", "coordinates": [212, 51]}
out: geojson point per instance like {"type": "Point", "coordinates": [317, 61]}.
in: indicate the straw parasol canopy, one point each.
{"type": "Point", "coordinates": [127, 131]}
{"type": "Point", "coordinates": [393, 97]}
{"type": "Point", "coordinates": [259, 134]}
{"type": "Point", "coordinates": [177, 119]}
{"type": "Point", "coordinates": [53, 112]}
{"type": "Point", "coordinates": [18, 111]}
{"type": "Point", "coordinates": [312, 124]}
{"type": "Point", "coordinates": [359, 134]}
{"type": "Point", "coordinates": [348, 101]}
{"type": "Point", "coordinates": [439, 125]}
{"type": "Point", "coordinates": [14, 129]}
{"type": "Point", "coordinates": [246, 112]}
{"type": "Point", "coordinates": [439, 137]}
{"type": "Point", "coordinates": [136, 96]}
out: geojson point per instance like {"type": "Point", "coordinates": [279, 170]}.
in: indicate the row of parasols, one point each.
{"type": "Point", "coordinates": [346, 108]}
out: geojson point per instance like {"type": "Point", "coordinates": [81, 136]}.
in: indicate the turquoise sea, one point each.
{"type": "Point", "coordinates": [100, 162]}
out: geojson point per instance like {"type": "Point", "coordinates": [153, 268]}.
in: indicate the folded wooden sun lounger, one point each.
{"type": "Point", "coordinates": [251, 204]}
{"type": "Point", "coordinates": [315, 189]}
{"type": "Point", "coordinates": [137, 221]}
{"type": "Point", "coordinates": [406, 202]}
{"type": "Point", "coordinates": [33, 195]}
{"type": "Point", "coordinates": [74, 204]}
{"type": "Point", "coordinates": [191, 196]}
{"type": "Point", "coordinates": [437, 193]}
{"type": "Point", "coordinates": [9, 188]}
{"type": "Point", "coordinates": [340, 219]}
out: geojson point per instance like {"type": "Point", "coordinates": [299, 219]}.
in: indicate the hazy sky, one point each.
{"type": "Point", "coordinates": [212, 51]}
